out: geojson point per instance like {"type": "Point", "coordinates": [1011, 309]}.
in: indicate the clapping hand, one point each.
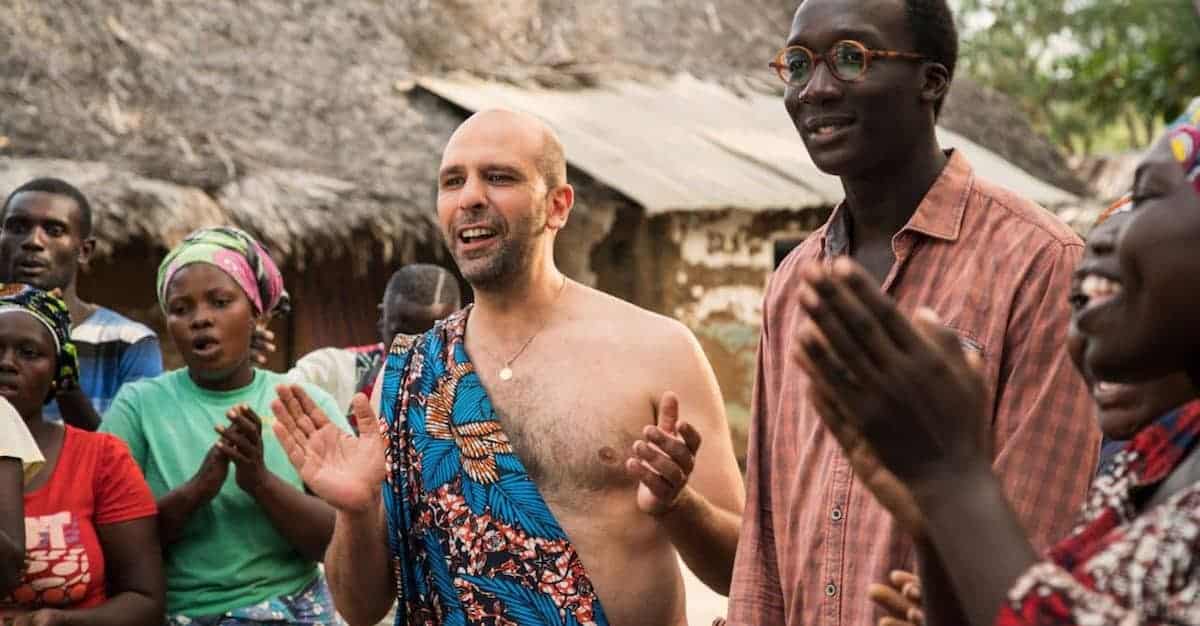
{"type": "Point", "coordinates": [241, 441]}
{"type": "Point", "coordinates": [663, 459]}
{"type": "Point", "coordinates": [344, 470]}
{"type": "Point", "coordinates": [905, 388]}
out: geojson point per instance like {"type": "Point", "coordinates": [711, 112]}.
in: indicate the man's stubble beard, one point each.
{"type": "Point", "coordinates": [514, 258]}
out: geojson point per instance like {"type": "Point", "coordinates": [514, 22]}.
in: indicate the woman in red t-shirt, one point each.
{"type": "Point", "coordinates": [91, 537]}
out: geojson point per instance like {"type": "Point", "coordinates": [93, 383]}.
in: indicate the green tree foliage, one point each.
{"type": "Point", "coordinates": [1087, 69]}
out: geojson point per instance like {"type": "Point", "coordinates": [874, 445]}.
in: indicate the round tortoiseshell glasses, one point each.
{"type": "Point", "coordinates": [847, 60]}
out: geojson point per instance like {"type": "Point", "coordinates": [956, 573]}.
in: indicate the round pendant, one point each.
{"type": "Point", "coordinates": [506, 374]}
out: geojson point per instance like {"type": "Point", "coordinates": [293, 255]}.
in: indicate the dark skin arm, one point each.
{"type": "Point", "coordinates": [135, 582]}
{"type": "Point", "coordinates": [77, 410]}
{"type": "Point", "coordinates": [12, 524]}
{"type": "Point", "coordinates": [304, 520]}
{"type": "Point", "coordinates": [981, 544]}
{"type": "Point", "coordinates": [939, 603]}
{"type": "Point", "coordinates": [177, 507]}
{"type": "Point", "coordinates": [909, 390]}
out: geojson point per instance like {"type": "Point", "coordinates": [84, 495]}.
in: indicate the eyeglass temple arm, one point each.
{"type": "Point", "coordinates": [892, 54]}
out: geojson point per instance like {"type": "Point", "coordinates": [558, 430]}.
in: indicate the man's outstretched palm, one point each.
{"type": "Point", "coordinates": [341, 469]}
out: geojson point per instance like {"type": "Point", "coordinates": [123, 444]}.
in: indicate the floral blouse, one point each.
{"type": "Point", "coordinates": [1117, 566]}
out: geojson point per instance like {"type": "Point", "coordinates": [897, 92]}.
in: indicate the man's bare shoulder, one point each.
{"type": "Point", "coordinates": [652, 331]}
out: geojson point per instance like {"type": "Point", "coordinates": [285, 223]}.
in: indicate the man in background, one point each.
{"type": "Point", "coordinates": [45, 238]}
{"type": "Point", "coordinates": [416, 296]}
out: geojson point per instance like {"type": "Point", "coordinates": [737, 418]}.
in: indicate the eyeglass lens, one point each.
{"type": "Point", "coordinates": [848, 62]}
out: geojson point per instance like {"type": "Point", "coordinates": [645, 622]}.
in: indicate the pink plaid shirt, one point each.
{"type": "Point", "coordinates": [997, 269]}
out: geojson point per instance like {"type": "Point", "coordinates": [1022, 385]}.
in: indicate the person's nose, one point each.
{"type": "Point", "coordinates": [8, 360]}
{"type": "Point", "coordinates": [822, 86]}
{"type": "Point", "coordinates": [35, 239]}
{"type": "Point", "coordinates": [201, 318]}
{"type": "Point", "coordinates": [473, 195]}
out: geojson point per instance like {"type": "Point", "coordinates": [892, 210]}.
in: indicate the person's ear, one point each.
{"type": "Point", "coordinates": [86, 248]}
{"type": "Point", "coordinates": [936, 82]}
{"type": "Point", "coordinates": [558, 209]}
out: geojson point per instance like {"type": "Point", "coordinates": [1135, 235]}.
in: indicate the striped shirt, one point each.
{"type": "Point", "coordinates": [113, 350]}
{"type": "Point", "coordinates": [996, 268]}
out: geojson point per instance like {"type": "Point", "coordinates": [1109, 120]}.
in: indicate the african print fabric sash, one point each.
{"type": "Point", "coordinates": [471, 538]}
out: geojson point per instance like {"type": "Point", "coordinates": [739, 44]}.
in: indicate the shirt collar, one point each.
{"type": "Point", "coordinates": [939, 215]}
{"type": "Point", "coordinates": [1159, 447]}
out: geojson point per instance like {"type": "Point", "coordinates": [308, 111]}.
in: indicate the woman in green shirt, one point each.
{"type": "Point", "coordinates": [241, 536]}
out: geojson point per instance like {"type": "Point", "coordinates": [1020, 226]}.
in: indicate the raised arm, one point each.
{"type": "Point", "coordinates": [911, 392]}
{"type": "Point", "coordinates": [696, 490]}
{"type": "Point", "coordinates": [347, 472]}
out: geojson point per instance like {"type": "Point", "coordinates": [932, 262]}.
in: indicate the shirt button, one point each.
{"type": "Point", "coordinates": [836, 515]}
{"type": "Point", "coordinates": [831, 590]}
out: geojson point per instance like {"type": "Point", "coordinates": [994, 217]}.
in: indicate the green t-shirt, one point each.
{"type": "Point", "coordinates": [229, 555]}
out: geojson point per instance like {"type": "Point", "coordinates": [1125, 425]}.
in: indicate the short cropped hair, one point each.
{"type": "Point", "coordinates": [931, 23]}
{"type": "Point", "coordinates": [552, 164]}
{"type": "Point", "coordinates": [59, 187]}
{"type": "Point", "coordinates": [424, 284]}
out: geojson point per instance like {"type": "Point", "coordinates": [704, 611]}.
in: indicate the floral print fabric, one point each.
{"type": "Point", "coordinates": [1119, 565]}
{"type": "Point", "coordinates": [472, 539]}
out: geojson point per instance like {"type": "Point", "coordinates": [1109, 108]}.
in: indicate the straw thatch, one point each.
{"type": "Point", "coordinates": [296, 119]}
{"type": "Point", "coordinates": [285, 115]}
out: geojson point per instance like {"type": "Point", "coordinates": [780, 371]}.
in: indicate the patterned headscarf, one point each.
{"type": "Point", "coordinates": [240, 256]}
{"type": "Point", "coordinates": [1185, 142]}
{"type": "Point", "coordinates": [52, 312]}
{"type": "Point", "coordinates": [1184, 135]}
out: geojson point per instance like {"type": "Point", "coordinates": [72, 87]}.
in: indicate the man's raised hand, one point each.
{"type": "Point", "coordinates": [663, 459]}
{"type": "Point", "coordinates": [344, 470]}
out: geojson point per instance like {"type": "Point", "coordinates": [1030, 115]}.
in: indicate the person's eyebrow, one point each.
{"type": "Point", "coordinates": [450, 169]}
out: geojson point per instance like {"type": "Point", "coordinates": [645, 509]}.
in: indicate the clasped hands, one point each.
{"type": "Point", "coordinates": [902, 398]}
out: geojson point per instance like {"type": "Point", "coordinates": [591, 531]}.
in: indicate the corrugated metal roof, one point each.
{"type": "Point", "coordinates": [691, 145]}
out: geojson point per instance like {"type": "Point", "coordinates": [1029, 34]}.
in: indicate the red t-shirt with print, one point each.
{"type": "Point", "coordinates": [94, 483]}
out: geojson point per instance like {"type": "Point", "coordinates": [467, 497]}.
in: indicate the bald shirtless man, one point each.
{"type": "Point", "coordinates": [540, 451]}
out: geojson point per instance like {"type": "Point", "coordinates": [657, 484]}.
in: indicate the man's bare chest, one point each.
{"type": "Point", "coordinates": [570, 438]}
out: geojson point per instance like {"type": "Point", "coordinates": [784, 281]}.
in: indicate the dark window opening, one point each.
{"type": "Point", "coordinates": [783, 247]}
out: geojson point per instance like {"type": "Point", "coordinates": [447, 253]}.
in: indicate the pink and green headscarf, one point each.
{"type": "Point", "coordinates": [237, 254]}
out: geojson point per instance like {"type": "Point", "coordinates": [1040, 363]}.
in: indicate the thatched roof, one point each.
{"type": "Point", "coordinates": [288, 119]}
{"type": "Point", "coordinates": [296, 119]}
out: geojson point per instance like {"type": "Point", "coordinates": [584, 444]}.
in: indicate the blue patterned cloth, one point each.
{"type": "Point", "coordinates": [472, 540]}
{"type": "Point", "coordinates": [311, 606]}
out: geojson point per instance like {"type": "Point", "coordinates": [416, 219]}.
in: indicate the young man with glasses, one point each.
{"type": "Point", "coordinates": [865, 83]}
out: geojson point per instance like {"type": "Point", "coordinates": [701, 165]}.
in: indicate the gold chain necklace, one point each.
{"type": "Point", "coordinates": [506, 372]}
